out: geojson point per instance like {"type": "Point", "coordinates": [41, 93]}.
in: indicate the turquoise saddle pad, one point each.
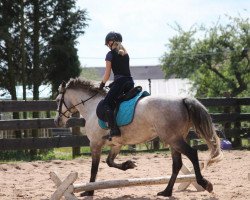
{"type": "Point", "coordinates": [126, 111]}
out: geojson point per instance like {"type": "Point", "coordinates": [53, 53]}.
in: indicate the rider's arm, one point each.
{"type": "Point", "coordinates": [107, 72]}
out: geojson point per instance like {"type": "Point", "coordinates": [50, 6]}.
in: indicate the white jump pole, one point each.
{"type": "Point", "coordinates": [67, 188]}
{"type": "Point", "coordinates": [130, 183]}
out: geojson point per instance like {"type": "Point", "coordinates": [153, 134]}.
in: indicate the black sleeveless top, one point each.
{"type": "Point", "coordinates": [119, 63]}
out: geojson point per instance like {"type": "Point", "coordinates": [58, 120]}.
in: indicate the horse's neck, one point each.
{"type": "Point", "coordinates": [88, 108]}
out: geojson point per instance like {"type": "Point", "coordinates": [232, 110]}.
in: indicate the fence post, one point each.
{"type": "Point", "coordinates": [237, 125]}
{"type": "Point", "coordinates": [76, 131]}
{"type": "Point", "coordinates": [33, 152]}
{"type": "Point", "coordinates": [156, 141]}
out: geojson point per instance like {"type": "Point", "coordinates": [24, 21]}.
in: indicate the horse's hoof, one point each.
{"type": "Point", "coordinates": [128, 165]}
{"type": "Point", "coordinates": [165, 193]}
{"type": "Point", "coordinates": [206, 185]}
{"type": "Point", "coordinates": [209, 187]}
{"type": "Point", "coordinates": [87, 193]}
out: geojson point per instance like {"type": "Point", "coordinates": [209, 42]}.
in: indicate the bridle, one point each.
{"type": "Point", "coordinates": [62, 102]}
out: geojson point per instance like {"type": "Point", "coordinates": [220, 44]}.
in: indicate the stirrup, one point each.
{"type": "Point", "coordinates": [107, 137]}
{"type": "Point", "coordinates": [111, 134]}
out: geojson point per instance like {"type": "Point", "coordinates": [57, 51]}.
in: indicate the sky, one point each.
{"type": "Point", "coordinates": [147, 25]}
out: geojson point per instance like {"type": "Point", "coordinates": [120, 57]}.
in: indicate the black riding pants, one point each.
{"type": "Point", "coordinates": [119, 86]}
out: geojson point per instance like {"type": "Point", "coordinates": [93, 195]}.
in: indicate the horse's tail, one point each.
{"type": "Point", "coordinates": [202, 123]}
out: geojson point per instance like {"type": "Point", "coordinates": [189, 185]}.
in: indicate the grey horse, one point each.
{"type": "Point", "coordinates": [168, 118]}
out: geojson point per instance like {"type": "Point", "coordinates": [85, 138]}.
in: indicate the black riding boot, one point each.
{"type": "Point", "coordinates": [114, 129]}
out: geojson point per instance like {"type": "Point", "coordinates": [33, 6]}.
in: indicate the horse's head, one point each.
{"type": "Point", "coordinates": [72, 97]}
{"type": "Point", "coordinates": [65, 108]}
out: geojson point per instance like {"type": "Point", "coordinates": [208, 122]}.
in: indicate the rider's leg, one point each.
{"type": "Point", "coordinates": [110, 102]}
{"type": "Point", "coordinates": [110, 117]}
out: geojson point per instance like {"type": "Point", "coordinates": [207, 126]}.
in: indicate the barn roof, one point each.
{"type": "Point", "coordinates": [138, 72]}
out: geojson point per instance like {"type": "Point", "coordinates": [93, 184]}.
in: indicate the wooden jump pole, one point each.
{"type": "Point", "coordinates": [130, 182]}
{"type": "Point", "coordinates": [67, 188]}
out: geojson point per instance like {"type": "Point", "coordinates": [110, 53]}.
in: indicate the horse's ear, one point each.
{"type": "Point", "coordinates": [62, 87]}
{"type": "Point", "coordinates": [63, 84]}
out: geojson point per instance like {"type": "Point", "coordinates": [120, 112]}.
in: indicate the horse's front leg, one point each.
{"type": "Point", "coordinates": [96, 155]}
{"type": "Point", "coordinates": [111, 157]}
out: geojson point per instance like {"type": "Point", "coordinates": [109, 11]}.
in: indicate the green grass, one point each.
{"type": "Point", "coordinates": [12, 156]}
{"type": "Point", "coordinates": [245, 142]}
{"type": "Point", "coordinates": [63, 153]}
{"type": "Point", "coordinates": [45, 155]}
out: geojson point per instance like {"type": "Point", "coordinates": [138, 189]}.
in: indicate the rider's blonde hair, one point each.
{"type": "Point", "coordinates": [120, 48]}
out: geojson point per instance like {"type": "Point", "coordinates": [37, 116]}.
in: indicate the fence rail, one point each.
{"type": "Point", "coordinates": [230, 117]}
{"type": "Point", "coordinates": [17, 124]}
{"type": "Point", "coordinates": [79, 140]}
{"type": "Point", "coordinates": [217, 102]}
{"type": "Point", "coordinates": [43, 143]}
{"type": "Point", "coordinates": [23, 106]}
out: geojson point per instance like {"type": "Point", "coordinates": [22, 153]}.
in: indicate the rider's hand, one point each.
{"type": "Point", "coordinates": [101, 86]}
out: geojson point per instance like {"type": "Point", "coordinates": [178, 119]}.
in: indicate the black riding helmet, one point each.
{"type": "Point", "coordinates": [113, 36]}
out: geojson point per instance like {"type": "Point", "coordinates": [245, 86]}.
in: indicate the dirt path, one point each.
{"type": "Point", "coordinates": [31, 180]}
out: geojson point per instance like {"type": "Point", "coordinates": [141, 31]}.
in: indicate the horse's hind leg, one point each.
{"type": "Point", "coordinates": [177, 164]}
{"type": "Point", "coordinates": [111, 157]}
{"type": "Point", "coordinates": [192, 154]}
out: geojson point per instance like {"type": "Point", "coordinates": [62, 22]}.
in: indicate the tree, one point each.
{"type": "Point", "coordinates": [9, 57]}
{"type": "Point", "coordinates": [30, 32]}
{"type": "Point", "coordinates": [8, 37]}
{"type": "Point", "coordinates": [56, 26]}
{"type": "Point", "coordinates": [216, 59]}
{"type": "Point", "coordinates": [63, 62]}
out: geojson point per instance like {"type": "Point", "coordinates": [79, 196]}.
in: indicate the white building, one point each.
{"type": "Point", "coordinates": [44, 93]}
{"type": "Point", "coordinates": [152, 79]}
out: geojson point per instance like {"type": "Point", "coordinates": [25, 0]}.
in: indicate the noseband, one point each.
{"type": "Point", "coordinates": [62, 102]}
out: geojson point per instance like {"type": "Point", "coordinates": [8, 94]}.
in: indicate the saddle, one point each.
{"type": "Point", "coordinates": [129, 95]}
{"type": "Point", "coordinates": [125, 107]}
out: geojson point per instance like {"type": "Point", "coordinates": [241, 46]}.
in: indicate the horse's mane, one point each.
{"type": "Point", "coordinates": [80, 83]}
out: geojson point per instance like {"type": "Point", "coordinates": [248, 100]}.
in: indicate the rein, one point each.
{"type": "Point", "coordinates": [62, 102]}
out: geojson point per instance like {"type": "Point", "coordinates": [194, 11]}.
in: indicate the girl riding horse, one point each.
{"type": "Point", "coordinates": [117, 60]}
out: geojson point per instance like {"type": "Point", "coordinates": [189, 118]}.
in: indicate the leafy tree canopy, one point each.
{"type": "Point", "coordinates": [37, 42]}
{"type": "Point", "coordinates": [216, 59]}
{"type": "Point", "coordinates": [63, 62]}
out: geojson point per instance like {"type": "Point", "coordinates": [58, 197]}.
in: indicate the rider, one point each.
{"type": "Point", "coordinates": [117, 60]}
